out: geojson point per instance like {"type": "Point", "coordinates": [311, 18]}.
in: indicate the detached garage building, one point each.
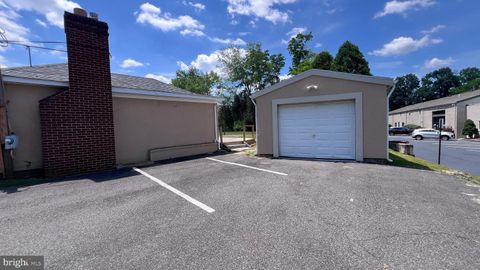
{"type": "Point", "coordinates": [324, 114]}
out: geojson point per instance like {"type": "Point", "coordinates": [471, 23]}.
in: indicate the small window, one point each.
{"type": "Point", "coordinates": [395, 124]}
{"type": "Point", "coordinates": [403, 124]}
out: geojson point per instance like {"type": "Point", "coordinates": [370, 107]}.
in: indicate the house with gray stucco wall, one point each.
{"type": "Point", "coordinates": [450, 111]}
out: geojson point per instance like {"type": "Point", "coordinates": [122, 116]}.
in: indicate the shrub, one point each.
{"type": "Point", "coordinates": [448, 129]}
{"type": "Point", "coordinates": [412, 126]}
{"type": "Point", "coordinates": [469, 129]}
{"type": "Point", "coordinates": [238, 126]}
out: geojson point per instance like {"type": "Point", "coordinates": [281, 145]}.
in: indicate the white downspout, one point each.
{"type": "Point", "coordinates": [388, 112]}
{"type": "Point", "coordinates": [256, 125]}
{"type": "Point", "coordinates": [215, 108]}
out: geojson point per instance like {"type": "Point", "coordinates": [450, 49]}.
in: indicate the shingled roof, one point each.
{"type": "Point", "coordinates": [450, 100]}
{"type": "Point", "coordinates": [59, 73]}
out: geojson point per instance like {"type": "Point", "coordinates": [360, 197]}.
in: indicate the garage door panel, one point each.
{"type": "Point", "coordinates": [318, 130]}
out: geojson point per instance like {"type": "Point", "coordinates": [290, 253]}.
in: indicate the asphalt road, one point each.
{"type": "Point", "coordinates": [322, 215]}
{"type": "Point", "coordinates": [462, 155]}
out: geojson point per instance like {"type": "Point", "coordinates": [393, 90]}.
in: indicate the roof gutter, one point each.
{"type": "Point", "coordinates": [388, 113]}
{"type": "Point", "coordinates": [122, 92]}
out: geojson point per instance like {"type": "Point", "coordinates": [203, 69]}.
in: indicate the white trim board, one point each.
{"type": "Point", "coordinates": [122, 92]}
{"type": "Point", "coordinates": [357, 97]}
{"type": "Point", "coordinates": [327, 74]}
{"type": "Point", "coordinates": [158, 95]}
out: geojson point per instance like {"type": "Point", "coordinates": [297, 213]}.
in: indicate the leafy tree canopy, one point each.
{"type": "Point", "coordinates": [403, 95]}
{"type": "Point", "coordinates": [297, 47]}
{"type": "Point", "coordinates": [469, 74]}
{"type": "Point", "coordinates": [323, 60]}
{"type": "Point", "coordinates": [252, 69]}
{"type": "Point", "coordinates": [350, 59]}
{"type": "Point", "coordinates": [196, 81]}
{"type": "Point", "coordinates": [437, 84]}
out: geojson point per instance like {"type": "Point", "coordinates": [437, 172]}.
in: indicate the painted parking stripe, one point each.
{"type": "Point", "coordinates": [246, 166]}
{"type": "Point", "coordinates": [176, 191]}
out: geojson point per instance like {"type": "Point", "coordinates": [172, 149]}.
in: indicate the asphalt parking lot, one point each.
{"type": "Point", "coordinates": [460, 154]}
{"type": "Point", "coordinates": [234, 212]}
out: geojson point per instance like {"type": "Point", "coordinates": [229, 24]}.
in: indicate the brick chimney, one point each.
{"type": "Point", "coordinates": [77, 124]}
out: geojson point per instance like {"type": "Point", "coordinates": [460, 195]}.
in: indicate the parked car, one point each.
{"type": "Point", "coordinates": [424, 133]}
{"type": "Point", "coordinates": [399, 130]}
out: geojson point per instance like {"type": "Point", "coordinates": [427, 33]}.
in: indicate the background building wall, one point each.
{"type": "Point", "coordinates": [24, 121]}
{"type": "Point", "coordinates": [143, 124]}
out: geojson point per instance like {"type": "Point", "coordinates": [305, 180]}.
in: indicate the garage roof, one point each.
{"type": "Point", "coordinates": [57, 75]}
{"type": "Point", "coordinates": [327, 74]}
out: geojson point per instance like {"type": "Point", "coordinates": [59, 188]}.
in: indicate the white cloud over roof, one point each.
{"type": "Point", "coordinates": [260, 8]}
{"type": "Point", "coordinates": [402, 7]}
{"type": "Point", "coordinates": [405, 45]}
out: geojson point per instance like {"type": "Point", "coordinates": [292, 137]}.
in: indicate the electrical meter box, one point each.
{"type": "Point", "coordinates": [11, 142]}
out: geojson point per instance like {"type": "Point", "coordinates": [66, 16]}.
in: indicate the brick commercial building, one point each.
{"type": "Point", "coordinates": [79, 117]}
{"type": "Point", "coordinates": [450, 111]}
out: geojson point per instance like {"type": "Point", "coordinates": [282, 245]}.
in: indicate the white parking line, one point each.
{"type": "Point", "coordinates": [176, 191]}
{"type": "Point", "coordinates": [246, 166]}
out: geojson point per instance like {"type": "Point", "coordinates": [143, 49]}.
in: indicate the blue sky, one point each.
{"type": "Point", "coordinates": [156, 37]}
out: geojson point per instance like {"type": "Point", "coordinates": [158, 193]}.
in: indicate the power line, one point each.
{"type": "Point", "coordinates": [35, 41]}
{"type": "Point", "coordinates": [4, 42]}
{"type": "Point", "coordinates": [40, 47]}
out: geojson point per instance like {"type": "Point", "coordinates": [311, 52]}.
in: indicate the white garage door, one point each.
{"type": "Point", "coordinates": [317, 130]}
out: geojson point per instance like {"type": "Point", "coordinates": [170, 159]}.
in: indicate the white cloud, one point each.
{"type": "Point", "coordinates": [3, 62]}
{"type": "Point", "coordinates": [244, 33]}
{"type": "Point", "coordinates": [402, 7]}
{"type": "Point", "coordinates": [158, 77]}
{"type": "Point", "coordinates": [153, 15]}
{"type": "Point", "coordinates": [197, 6]}
{"type": "Point", "coordinates": [207, 62]}
{"type": "Point", "coordinates": [41, 23]}
{"type": "Point", "coordinates": [295, 31]}
{"type": "Point", "coordinates": [405, 45]}
{"type": "Point", "coordinates": [229, 41]}
{"type": "Point", "coordinates": [203, 62]}
{"type": "Point", "coordinates": [9, 23]}
{"type": "Point", "coordinates": [434, 29]}
{"type": "Point", "coordinates": [192, 32]}
{"type": "Point", "coordinates": [51, 9]}
{"type": "Point", "coordinates": [129, 63]}
{"type": "Point", "coordinates": [318, 45]}
{"type": "Point", "coordinates": [437, 62]}
{"type": "Point", "coordinates": [285, 77]}
{"type": "Point", "coordinates": [260, 9]}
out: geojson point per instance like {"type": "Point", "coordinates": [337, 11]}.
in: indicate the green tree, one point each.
{"type": "Point", "coordinates": [196, 81]}
{"type": "Point", "coordinates": [225, 117]}
{"type": "Point", "coordinates": [469, 86]}
{"type": "Point", "coordinates": [469, 129]}
{"type": "Point", "coordinates": [404, 93]}
{"type": "Point", "coordinates": [249, 70]}
{"type": "Point", "coordinates": [298, 49]}
{"type": "Point", "coordinates": [323, 60]}
{"type": "Point", "coordinates": [437, 84]}
{"type": "Point", "coordinates": [469, 74]}
{"type": "Point", "coordinates": [252, 69]}
{"type": "Point", "coordinates": [470, 79]}
{"type": "Point", "coordinates": [350, 59]}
